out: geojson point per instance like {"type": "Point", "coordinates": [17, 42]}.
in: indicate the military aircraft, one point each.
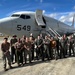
{"type": "Point", "coordinates": [24, 23]}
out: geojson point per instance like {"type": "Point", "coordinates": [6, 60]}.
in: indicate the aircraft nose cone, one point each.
{"type": "Point", "coordinates": [5, 21]}
{"type": "Point", "coordinates": [5, 25]}
{"type": "Point", "coordinates": [2, 23]}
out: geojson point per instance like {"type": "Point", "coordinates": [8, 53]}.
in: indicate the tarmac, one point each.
{"type": "Point", "coordinates": [53, 67]}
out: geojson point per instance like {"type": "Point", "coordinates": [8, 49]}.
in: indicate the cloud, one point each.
{"type": "Point", "coordinates": [53, 15]}
{"type": "Point", "coordinates": [66, 17]}
{"type": "Point", "coordinates": [62, 18]}
{"type": "Point", "coordinates": [44, 11]}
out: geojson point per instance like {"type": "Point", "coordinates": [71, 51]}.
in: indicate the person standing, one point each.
{"type": "Point", "coordinates": [65, 43]}
{"type": "Point", "coordinates": [27, 47]}
{"type": "Point", "coordinates": [19, 56]}
{"type": "Point", "coordinates": [57, 45]}
{"type": "Point", "coordinates": [12, 42]}
{"type": "Point", "coordinates": [23, 40]}
{"type": "Point", "coordinates": [6, 53]}
{"type": "Point", "coordinates": [71, 46]}
{"type": "Point", "coordinates": [50, 48]}
{"type": "Point", "coordinates": [46, 46]}
{"type": "Point", "coordinates": [53, 48]}
{"type": "Point", "coordinates": [40, 49]}
{"type": "Point", "coordinates": [63, 46]}
{"type": "Point", "coordinates": [32, 46]}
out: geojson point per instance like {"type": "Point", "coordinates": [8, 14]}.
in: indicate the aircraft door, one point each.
{"type": "Point", "coordinates": [39, 18]}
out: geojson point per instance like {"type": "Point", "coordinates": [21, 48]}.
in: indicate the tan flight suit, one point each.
{"type": "Point", "coordinates": [28, 51]}
{"type": "Point", "coordinates": [6, 53]}
{"type": "Point", "coordinates": [19, 54]}
{"type": "Point", "coordinates": [23, 42]}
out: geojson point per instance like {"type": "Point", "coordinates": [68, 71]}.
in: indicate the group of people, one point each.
{"type": "Point", "coordinates": [30, 48]}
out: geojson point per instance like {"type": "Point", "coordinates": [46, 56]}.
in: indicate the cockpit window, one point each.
{"type": "Point", "coordinates": [15, 15]}
{"type": "Point", "coordinates": [25, 16]}
{"type": "Point", "coordinates": [22, 16]}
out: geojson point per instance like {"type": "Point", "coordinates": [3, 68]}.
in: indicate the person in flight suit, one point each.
{"type": "Point", "coordinates": [65, 44]}
{"type": "Point", "coordinates": [32, 39]}
{"type": "Point", "coordinates": [32, 47]}
{"type": "Point", "coordinates": [40, 49]}
{"type": "Point", "coordinates": [19, 48]}
{"type": "Point", "coordinates": [27, 47]}
{"type": "Point", "coordinates": [46, 46]}
{"type": "Point", "coordinates": [12, 42]}
{"type": "Point", "coordinates": [50, 48]}
{"type": "Point", "coordinates": [57, 45]}
{"type": "Point", "coordinates": [62, 54]}
{"type": "Point", "coordinates": [74, 43]}
{"type": "Point", "coordinates": [53, 48]}
{"type": "Point", "coordinates": [71, 46]}
{"type": "Point", "coordinates": [6, 53]}
{"type": "Point", "coordinates": [23, 40]}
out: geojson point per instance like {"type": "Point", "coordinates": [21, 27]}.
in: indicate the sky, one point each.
{"type": "Point", "coordinates": [62, 10]}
